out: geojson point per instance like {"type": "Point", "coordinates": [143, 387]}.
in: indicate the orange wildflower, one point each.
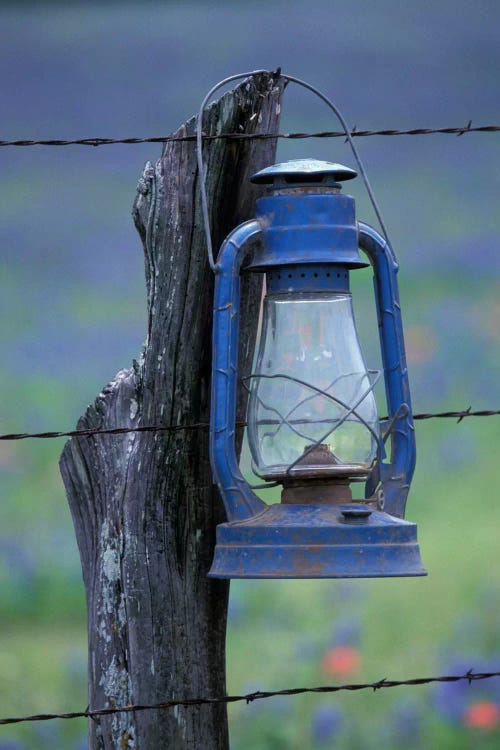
{"type": "Point", "coordinates": [341, 660]}
{"type": "Point", "coordinates": [482, 715]}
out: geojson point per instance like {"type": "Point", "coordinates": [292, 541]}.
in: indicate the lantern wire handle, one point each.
{"type": "Point", "coordinates": [320, 95]}
{"type": "Point", "coordinates": [199, 157]}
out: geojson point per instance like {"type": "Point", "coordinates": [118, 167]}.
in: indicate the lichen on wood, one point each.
{"type": "Point", "coordinates": [143, 504]}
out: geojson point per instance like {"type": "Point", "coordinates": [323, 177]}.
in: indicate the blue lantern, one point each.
{"type": "Point", "coordinates": [312, 419]}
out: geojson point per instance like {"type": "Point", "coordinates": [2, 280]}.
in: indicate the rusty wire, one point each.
{"type": "Point", "coordinates": [354, 132]}
{"type": "Point", "coordinates": [458, 415]}
{"type": "Point", "coordinates": [469, 676]}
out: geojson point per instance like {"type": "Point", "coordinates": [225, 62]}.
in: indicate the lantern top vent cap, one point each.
{"type": "Point", "coordinates": [303, 171]}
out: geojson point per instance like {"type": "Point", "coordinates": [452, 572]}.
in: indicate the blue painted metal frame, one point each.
{"type": "Point", "coordinates": [239, 500]}
{"type": "Point", "coordinates": [307, 229]}
{"type": "Point", "coordinates": [287, 541]}
{"type": "Point", "coordinates": [396, 476]}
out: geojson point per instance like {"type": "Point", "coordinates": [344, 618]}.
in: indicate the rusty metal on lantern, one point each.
{"type": "Point", "coordinates": [313, 425]}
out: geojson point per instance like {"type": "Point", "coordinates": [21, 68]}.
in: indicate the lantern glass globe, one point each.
{"type": "Point", "coordinates": [308, 374]}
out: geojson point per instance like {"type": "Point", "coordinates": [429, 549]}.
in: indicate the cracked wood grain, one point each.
{"type": "Point", "coordinates": [143, 505]}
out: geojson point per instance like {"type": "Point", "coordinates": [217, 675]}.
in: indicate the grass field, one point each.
{"type": "Point", "coordinates": [285, 634]}
{"type": "Point", "coordinates": [72, 312]}
{"type": "Point", "coordinates": [299, 633]}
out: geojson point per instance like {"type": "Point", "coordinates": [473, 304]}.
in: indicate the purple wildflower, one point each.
{"type": "Point", "coordinates": [326, 723]}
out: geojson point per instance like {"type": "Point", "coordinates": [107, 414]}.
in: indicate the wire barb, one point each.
{"type": "Point", "coordinates": [470, 676]}
{"type": "Point", "coordinates": [466, 129]}
{"type": "Point", "coordinates": [465, 414]}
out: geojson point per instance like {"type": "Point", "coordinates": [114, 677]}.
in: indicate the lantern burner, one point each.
{"type": "Point", "coordinates": [318, 455]}
{"type": "Point", "coordinates": [318, 478]}
{"type": "Point", "coordinates": [318, 460]}
{"type": "Point", "coordinates": [312, 491]}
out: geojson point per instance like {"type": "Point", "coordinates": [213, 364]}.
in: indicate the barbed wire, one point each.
{"type": "Point", "coordinates": [461, 130]}
{"type": "Point", "coordinates": [469, 676]}
{"type": "Point", "coordinates": [458, 415]}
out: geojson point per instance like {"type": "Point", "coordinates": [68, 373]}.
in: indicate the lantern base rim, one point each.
{"type": "Point", "coordinates": [305, 541]}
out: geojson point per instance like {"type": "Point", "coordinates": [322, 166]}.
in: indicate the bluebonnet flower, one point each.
{"type": "Point", "coordinates": [326, 723]}
{"type": "Point", "coordinates": [346, 632]}
{"type": "Point", "coordinates": [349, 590]}
{"type": "Point", "coordinates": [47, 735]}
{"type": "Point", "coordinates": [457, 450]}
{"type": "Point", "coordinates": [17, 559]}
{"type": "Point", "coordinates": [406, 723]}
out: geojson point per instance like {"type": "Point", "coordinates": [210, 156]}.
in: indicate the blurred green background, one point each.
{"type": "Point", "coordinates": [72, 308]}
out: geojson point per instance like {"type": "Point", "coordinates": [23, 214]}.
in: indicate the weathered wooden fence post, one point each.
{"type": "Point", "coordinates": [143, 504]}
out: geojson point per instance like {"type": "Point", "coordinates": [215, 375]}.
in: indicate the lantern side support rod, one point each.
{"type": "Point", "coordinates": [397, 476]}
{"type": "Point", "coordinates": [239, 500]}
